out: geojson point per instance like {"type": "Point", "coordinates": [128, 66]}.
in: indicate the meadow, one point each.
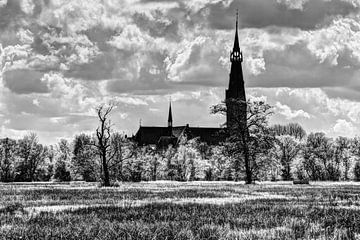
{"type": "Point", "coordinates": [180, 210]}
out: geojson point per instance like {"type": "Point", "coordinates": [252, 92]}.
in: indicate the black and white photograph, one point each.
{"type": "Point", "coordinates": [180, 119]}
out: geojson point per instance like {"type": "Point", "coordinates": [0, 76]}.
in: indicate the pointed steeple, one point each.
{"type": "Point", "coordinates": [236, 54]}
{"type": "Point", "coordinates": [236, 88]}
{"type": "Point", "coordinates": [236, 41]}
{"type": "Point", "coordinates": [170, 120]}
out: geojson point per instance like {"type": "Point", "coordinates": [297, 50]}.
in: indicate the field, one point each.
{"type": "Point", "coordinates": [174, 210]}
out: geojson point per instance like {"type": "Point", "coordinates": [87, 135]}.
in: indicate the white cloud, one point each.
{"type": "Point", "coordinates": [329, 43]}
{"type": "Point", "coordinates": [27, 6]}
{"type": "Point", "coordinates": [66, 56]}
{"type": "Point", "coordinates": [3, 3]}
{"type": "Point", "coordinates": [345, 128]}
{"type": "Point", "coordinates": [36, 102]}
{"type": "Point", "coordinates": [355, 3]}
{"type": "Point", "coordinates": [131, 38]}
{"type": "Point", "coordinates": [130, 100]}
{"type": "Point", "coordinates": [289, 113]}
{"type": "Point", "coordinates": [181, 60]}
{"type": "Point", "coordinates": [293, 4]}
{"type": "Point", "coordinates": [25, 36]}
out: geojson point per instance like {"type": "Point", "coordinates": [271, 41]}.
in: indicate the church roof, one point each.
{"type": "Point", "coordinates": [150, 135]}
{"type": "Point", "coordinates": [155, 135]}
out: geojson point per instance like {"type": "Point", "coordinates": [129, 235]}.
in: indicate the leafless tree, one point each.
{"type": "Point", "coordinates": [103, 143]}
{"type": "Point", "coordinates": [110, 145]}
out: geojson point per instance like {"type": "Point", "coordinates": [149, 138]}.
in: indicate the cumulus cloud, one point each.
{"type": "Point", "coordinates": [289, 113]}
{"type": "Point", "coordinates": [59, 59]}
{"type": "Point", "coordinates": [306, 15]}
{"type": "Point", "coordinates": [24, 81]}
{"type": "Point", "coordinates": [293, 4]}
{"type": "Point", "coordinates": [344, 128]}
{"type": "Point", "coordinates": [3, 3]}
{"type": "Point", "coordinates": [338, 42]}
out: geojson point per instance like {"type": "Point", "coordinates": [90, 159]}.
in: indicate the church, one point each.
{"type": "Point", "coordinates": [170, 135]}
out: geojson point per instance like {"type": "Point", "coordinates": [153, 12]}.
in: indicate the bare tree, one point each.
{"type": "Point", "coordinates": [112, 148]}
{"type": "Point", "coordinates": [103, 143]}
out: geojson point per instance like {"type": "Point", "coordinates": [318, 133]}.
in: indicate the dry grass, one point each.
{"type": "Point", "coordinates": [173, 210]}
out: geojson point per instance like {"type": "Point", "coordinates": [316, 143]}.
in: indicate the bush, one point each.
{"type": "Point", "coordinates": [61, 171]}
{"type": "Point", "coordinates": [357, 171]}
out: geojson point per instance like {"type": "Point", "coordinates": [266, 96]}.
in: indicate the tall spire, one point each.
{"type": "Point", "coordinates": [236, 54]}
{"type": "Point", "coordinates": [236, 42]}
{"type": "Point", "coordinates": [170, 120]}
{"type": "Point", "coordinates": [236, 88]}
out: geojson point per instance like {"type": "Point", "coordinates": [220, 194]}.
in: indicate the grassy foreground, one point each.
{"type": "Point", "coordinates": [172, 210]}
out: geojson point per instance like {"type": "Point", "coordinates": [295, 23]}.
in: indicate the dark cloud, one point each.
{"type": "Point", "coordinates": [24, 81]}
{"type": "Point", "coordinates": [159, 26]}
{"type": "Point", "coordinates": [260, 13]}
{"type": "Point", "coordinates": [151, 79]}
{"type": "Point", "coordinates": [350, 93]}
{"type": "Point", "coordinates": [11, 15]}
{"type": "Point", "coordinates": [39, 46]}
{"type": "Point", "coordinates": [100, 35]}
{"type": "Point", "coordinates": [80, 45]}
{"type": "Point", "coordinates": [297, 67]}
{"type": "Point", "coordinates": [100, 68]}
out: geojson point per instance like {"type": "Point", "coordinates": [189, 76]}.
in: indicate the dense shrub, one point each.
{"type": "Point", "coordinates": [357, 171]}
{"type": "Point", "coordinates": [61, 172]}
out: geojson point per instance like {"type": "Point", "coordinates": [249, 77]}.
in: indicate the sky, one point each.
{"type": "Point", "coordinates": [60, 59]}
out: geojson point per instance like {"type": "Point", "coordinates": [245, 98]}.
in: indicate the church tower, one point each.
{"type": "Point", "coordinates": [236, 92]}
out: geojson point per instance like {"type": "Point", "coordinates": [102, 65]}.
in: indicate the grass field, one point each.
{"type": "Point", "coordinates": [173, 210]}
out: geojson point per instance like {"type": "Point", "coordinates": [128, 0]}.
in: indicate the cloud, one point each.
{"type": "Point", "coordinates": [296, 66]}
{"type": "Point", "coordinates": [25, 81]}
{"type": "Point", "coordinates": [289, 113]}
{"type": "Point", "coordinates": [344, 128]}
{"type": "Point", "coordinates": [59, 59]}
{"type": "Point", "coordinates": [305, 15]}
{"type": "Point", "coordinates": [36, 102]}
{"type": "Point", "coordinates": [293, 4]}
{"type": "Point", "coordinates": [338, 43]}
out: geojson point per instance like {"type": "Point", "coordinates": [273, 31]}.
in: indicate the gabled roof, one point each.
{"type": "Point", "coordinates": [157, 135]}
{"type": "Point", "coordinates": [209, 135]}
{"type": "Point", "coordinates": [150, 135]}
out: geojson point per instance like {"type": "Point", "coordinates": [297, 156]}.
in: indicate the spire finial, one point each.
{"type": "Point", "coordinates": [237, 18]}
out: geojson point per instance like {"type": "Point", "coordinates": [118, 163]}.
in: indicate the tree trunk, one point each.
{"type": "Point", "coordinates": [248, 171]}
{"type": "Point", "coordinates": [247, 167]}
{"type": "Point", "coordinates": [106, 170]}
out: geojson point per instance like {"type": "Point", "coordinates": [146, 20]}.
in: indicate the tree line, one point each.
{"type": "Point", "coordinates": [259, 152]}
